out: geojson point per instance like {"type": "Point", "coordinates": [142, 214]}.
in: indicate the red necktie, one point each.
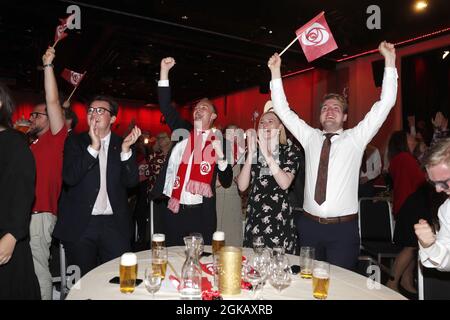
{"type": "Point", "coordinates": [322, 172]}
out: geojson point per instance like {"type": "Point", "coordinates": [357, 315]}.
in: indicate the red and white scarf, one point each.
{"type": "Point", "coordinates": [203, 165]}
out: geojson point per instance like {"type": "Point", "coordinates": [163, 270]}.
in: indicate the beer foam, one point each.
{"type": "Point", "coordinates": [159, 237]}
{"type": "Point", "coordinates": [219, 236]}
{"type": "Point", "coordinates": [128, 259]}
{"type": "Point", "coordinates": [320, 273]}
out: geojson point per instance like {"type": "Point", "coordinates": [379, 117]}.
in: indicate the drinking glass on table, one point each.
{"type": "Point", "coordinates": [321, 279]}
{"type": "Point", "coordinates": [128, 272]}
{"type": "Point", "coordinates": [152, 280]}
{"type": "Point", "coordinates": [280, 278]}
{"type": "Point", "coordinates": [159, 260]}
{"type": "Point", "coordinates": [307, 256]}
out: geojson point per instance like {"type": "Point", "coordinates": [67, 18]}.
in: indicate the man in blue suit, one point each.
{"type": "Point", "coordinates": [94, 223]}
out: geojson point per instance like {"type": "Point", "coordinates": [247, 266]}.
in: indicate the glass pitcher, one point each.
{"type": "Point", "coordinates": [191, 273]}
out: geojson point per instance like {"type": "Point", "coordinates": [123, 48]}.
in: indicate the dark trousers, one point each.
{"type": "Point", "coordinates": [100, 242]}
{"type": "Point", "coordinates": [337, 243]}
{"type": "Point", "coordinates": [196, 219]}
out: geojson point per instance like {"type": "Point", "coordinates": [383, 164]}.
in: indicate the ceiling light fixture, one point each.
{"type": "Point", "coordinates": [446, 52]}
{"type": "Point", "coordinates": [420, 5]}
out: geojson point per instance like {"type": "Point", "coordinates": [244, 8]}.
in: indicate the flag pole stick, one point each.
{"type": "Point", "coordinates": [73, 91]}
{"type": "Point", "coordinates": [289, 45]}
{"type": "Point", "coordinates": [53, 46]}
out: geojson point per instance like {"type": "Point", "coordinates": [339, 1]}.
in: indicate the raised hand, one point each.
{"type": "Point", "coordinates": [48, 56]}
{"type": "Point", "coordinates": [274, 65]}
{"type": "Point", "coordinates": [94, 134]}
{"type": "Point", "coordinates": [424, 233]}
{"type": "Point", "coordinates": [166, 65]}
{"type": "Point", "coordinates": [131, 139]}
{"type": "Point", "coordinates": [387, 50]}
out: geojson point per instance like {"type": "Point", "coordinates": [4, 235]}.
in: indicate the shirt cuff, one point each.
{"type": "Point", "coordinates": [92, 151]}
{"type": "Point", "coordinates": [222, 164]}
{"type": "Point", "coordinates": [433, 253]}
{"type": "Point", "coordinates": [125, 156]}
{"type": "Point", "coordinates": [163, 83]}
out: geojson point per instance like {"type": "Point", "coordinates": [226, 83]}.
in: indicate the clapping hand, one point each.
{"type": "Point", "coordinates": [130, 139]}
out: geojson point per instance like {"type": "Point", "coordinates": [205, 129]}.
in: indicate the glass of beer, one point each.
{"type": "Point", "coordinates": [218, 241]}
{"type": "Point", "coordinates": [159, 260]}
{"type": "Point", "coordinates": [321, 279]}
{"type": "Point", "coordinates": [158, 240]}
{"type": "Point", "coordinates": [128, 272]}
{"type": "Point", "coordinates": [307, 256]}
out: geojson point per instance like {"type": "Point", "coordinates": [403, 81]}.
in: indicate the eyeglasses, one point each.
{"type": "Point", "coordinates": [34, 115]}
{"type": "Point", "coordinates": [98, 110]}
{"type": "Point", "coordinates": [442, 184]}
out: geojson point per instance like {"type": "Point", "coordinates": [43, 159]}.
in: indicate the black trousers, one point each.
{"type": "Point", "coordinates": [100, 242]}
{"type": "Point", "coordinates": [338, 244]}
{"type": "Point", "coordinates": [199, 218]}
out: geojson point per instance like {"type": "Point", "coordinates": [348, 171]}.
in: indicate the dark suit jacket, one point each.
{"type": "Point", "coordinates": [81, 175]}
{"type": "Point", "coordinates": [175, 121]}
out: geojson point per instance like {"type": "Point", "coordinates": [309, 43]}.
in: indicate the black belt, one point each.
{"type": "Point", "coordinates": [334, 220]}
{"type": "Point", "coordinates": [191, 206]}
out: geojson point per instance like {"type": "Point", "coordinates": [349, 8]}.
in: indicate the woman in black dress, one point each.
{"type": "Point", "coordinates": [17, 174]}
{"type": "Point", "coordinates": [269, 176]}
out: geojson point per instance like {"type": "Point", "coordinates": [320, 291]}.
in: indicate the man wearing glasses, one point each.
{"type": "Point", "coordinates": [435, 248]}
{"type": "Point", "coordinates": [48, 131]}
{"type": "Point", "coordinates": [94, 224]}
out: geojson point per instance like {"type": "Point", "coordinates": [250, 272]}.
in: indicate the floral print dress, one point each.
{"type": "Point", "coordinates": [268, 211]}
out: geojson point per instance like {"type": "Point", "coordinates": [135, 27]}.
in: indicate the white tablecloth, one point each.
{"type": "Point", "coordinates": [344, 284]}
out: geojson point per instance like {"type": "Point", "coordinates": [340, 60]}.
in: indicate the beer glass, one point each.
{"type": "Point", "coordinates": [128, 272]}
{"type": "Point", "coordinates": [307, 256]}
{"type": "Point", "coordinates": [158, 240]}
{"type": "Point", "coordinates": [159, 260]}
{"type": "Point", "coordinates": [218, 241]}
{"type": "Point", "coordinates": [321, 279]}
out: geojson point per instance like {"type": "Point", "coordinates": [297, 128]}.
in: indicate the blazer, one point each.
{"type": "Point", "coordinates": [81, 175]}
{"type": "Point", "coordinates": [175, 121]}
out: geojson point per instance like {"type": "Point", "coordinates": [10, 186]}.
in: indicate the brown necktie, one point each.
{"type": "Point", "coordinates": [322, 173]}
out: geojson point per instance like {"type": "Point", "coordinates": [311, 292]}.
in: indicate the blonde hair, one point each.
{"type": "Point", "coordinates": [437, 154]}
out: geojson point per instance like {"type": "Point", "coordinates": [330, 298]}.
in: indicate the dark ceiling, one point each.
{"type": "Point", "coordinates": [219, 46]}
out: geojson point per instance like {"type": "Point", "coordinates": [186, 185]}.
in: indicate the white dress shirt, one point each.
{"type": "Point", "coordinates": [346, 149]}
{"type": "Point", "coordinates": [94, 153]}
{"type": "Point", "coordinates": [438, 255]}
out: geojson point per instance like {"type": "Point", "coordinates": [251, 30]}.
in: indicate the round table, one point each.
{"type": "Point", "coordinates": [344, 284]}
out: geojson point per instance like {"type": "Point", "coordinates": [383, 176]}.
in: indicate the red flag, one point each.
{"type": "Point", "coordinates": [316, 38]}
{"type": "Point", "coordinates": [60, 34]}
{"type": "Point", "coordinates": [72, 77]}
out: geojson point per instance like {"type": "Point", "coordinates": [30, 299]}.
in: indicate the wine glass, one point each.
{"type": "Point", "coordinates": [152, 280]}
{"type": "Point", "coordinates": [255, 272]}
{"type": "Point", "coordinates": [280, 279]}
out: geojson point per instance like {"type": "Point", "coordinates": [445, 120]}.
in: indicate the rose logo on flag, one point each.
{"type": "Point", "coordinates": [205, 168]}
{"type": "Point", "coordinates": [316, 35]}
{"type": "Point", "coordinates": [76, 77]}
{"type": "Point", "coordinates": [176, 184]}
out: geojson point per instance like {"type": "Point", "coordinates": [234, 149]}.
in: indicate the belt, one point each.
{"type": "Point", "coordinates": [191, 206]}
{"type": "Point", "coordinates": [334, 220]}
{"type": "Point", "coordinates": [36, 212]}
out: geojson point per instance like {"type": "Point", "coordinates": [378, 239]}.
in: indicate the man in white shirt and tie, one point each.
{"type": "Point", "coordinates": [94, 223]}
{"type": "Point", "coordinates": [434, 249]}
{"type": "Point", "coordinates": [332, 164]}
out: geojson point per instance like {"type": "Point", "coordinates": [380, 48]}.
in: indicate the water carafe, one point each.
{"type": "Point", "coordinates": [191, 273]}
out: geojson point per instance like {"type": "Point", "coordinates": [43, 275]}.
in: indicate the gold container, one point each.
{"type": "Point", "coordinates": [229, 269]}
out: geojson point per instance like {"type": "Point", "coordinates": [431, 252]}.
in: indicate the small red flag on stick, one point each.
{"type": "Point", "coordinates": [74, 78]}
{"type": "Point", "coordinates": [315, 38]}
{"type": "Point", "coordinates": [60, 29]}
